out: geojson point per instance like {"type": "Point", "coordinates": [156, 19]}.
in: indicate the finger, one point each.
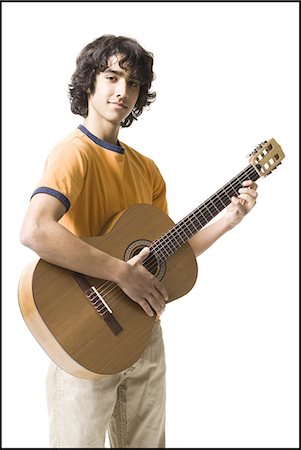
{"type": "Point", "coordinates": [162, 291]}
{"type": "Point", "coordinates": [239, 205]}
{"type": "Point", "coordinates": [248, 191]}
{"type": "Point", "coordinates": [156, 295]}
{"type": "Point", "coordinates": [157, 303]}
{"type": "Point", "coordinates": [250, 184]}
{"type": "Point", "coordinates": [234, 201]}
{"type": "Point", "coordinates": [146, 307]}
{"type": "Point", "coordinates": [248, 198]}
{"type": "Point", "coordinates": [160, 297]}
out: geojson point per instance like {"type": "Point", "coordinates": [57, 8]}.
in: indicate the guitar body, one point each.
{"type": "Point", "coordinates": [67, 325]}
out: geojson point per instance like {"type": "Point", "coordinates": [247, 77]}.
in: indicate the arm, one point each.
{"type": "Point", "coordinates": [55, 244]}
{"type": "Point", "coordinates": [235, 212]}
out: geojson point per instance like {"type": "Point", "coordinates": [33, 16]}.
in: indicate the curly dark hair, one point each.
{"type": "Point", "coordinates": [93, 59]}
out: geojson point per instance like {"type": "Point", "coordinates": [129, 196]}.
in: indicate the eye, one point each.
{"type": "Point", "coordinates": [133, 83]}
{"type": "Point", "coordinates": [110, 78]}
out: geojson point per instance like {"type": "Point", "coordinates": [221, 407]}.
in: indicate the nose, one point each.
{"type": "Point", "coordinates": [121, 88]}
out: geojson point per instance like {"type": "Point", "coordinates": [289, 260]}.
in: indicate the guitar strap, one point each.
{"type": "Point", "coordinates": [108, 316]}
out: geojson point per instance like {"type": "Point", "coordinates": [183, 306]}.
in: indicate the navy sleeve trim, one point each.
{"type": "Point", "coordinates": [54, 193]}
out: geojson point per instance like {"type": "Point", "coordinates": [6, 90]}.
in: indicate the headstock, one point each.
{"type": "Point", "coordinates": [266, 157]}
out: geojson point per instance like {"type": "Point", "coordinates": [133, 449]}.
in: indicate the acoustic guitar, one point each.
{"type": "Point", "coordinates": [88, 326]}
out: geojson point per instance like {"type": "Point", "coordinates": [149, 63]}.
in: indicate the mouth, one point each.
{"type": "Point", "coordinates": [118, 105]}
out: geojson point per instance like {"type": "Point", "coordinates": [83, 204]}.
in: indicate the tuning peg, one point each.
{"type": "Point", "coordinates": [259, 146]}
{"type": "Point", "coordinates": [252, 153]}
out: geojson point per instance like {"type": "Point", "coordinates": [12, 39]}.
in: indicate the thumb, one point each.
{"type": "Point", "coordinates": [142, 255]}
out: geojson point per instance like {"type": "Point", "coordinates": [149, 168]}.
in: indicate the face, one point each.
{"type": "Point", "coordinates": [116, 94]}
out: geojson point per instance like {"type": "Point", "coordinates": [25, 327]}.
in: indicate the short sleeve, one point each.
{"type": "Point", "coordinates": [159, 190]}
{"type": "Point", "coordinates": [64, 173]}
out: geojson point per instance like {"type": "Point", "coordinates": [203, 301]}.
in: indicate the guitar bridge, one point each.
{"type": "Point", "coordinates": [98, 302]}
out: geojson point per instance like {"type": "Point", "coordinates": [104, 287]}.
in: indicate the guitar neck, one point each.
{"type": "Point", "coordinates": [173, 239]}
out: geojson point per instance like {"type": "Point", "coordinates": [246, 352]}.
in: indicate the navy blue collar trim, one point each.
{"type": "Point", "coordinates": [104, 144]}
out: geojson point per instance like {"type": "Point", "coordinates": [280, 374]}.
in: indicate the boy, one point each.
{"type": "Point", "coordinates": [89, 177]}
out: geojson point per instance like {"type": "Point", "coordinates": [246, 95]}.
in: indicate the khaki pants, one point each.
{"type": "Point", "coordinates": [129, 404]}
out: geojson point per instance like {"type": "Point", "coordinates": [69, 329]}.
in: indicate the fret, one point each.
{"type": "Point", "coordinates": [182, 236]}
{"type": "Point", "coordinates": [160, 256]}
{"type": "Point", "coordinates": [184, 225]}
{"type": "Point", "coordinates": [171, 244]}
{"type": "Point", "coordinates": [217, 194]}
{"type": "Point", "coordinates": [163, 250]}
{"type": "Point", "coordinates": [228, 197]}
{"type": "Point", "coordinates": [191, 221]}
{"type": "Point", "coordinates": [213, 202]}
{"type": "Point", "coordinates": [232, 190]}
{"type": "Point", "coordinates": [204, 220]}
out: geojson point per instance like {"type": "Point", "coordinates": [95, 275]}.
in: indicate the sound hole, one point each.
{"type": "Point", "coordinates": [151, 263]}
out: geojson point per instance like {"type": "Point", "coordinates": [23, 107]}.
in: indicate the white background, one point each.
{"type": "Point", "coordinates": [227, 79]}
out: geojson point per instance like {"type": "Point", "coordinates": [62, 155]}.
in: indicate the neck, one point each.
{"type": "Point", "coordinates": [184, 230]}
{"type": "Point", "coordinates": [102, 129]}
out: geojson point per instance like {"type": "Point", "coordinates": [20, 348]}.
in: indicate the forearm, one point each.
{"type": "Point", "coordinates": [56, 245]}
{"type": "Point", "coordinates": [208, 235]}
{"type": "Point", "coordinates": [235, 212]}
{"type": "Point", "coordinates": [42, 232]}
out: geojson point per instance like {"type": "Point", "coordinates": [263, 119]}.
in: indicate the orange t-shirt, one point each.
{"type": "Point", "coordinates": [96, 180]}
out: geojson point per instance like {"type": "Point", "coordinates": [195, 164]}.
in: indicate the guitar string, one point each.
{"type": "Point", "coordinates": [108, 287]}
{"type": "Point", "coordinates": [219, 194]}
{"type": "Point", "coordinates": [113, 287]}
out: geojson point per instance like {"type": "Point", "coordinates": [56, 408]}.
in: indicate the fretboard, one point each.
{"type": "Point", "coordinates": [179, 234]}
